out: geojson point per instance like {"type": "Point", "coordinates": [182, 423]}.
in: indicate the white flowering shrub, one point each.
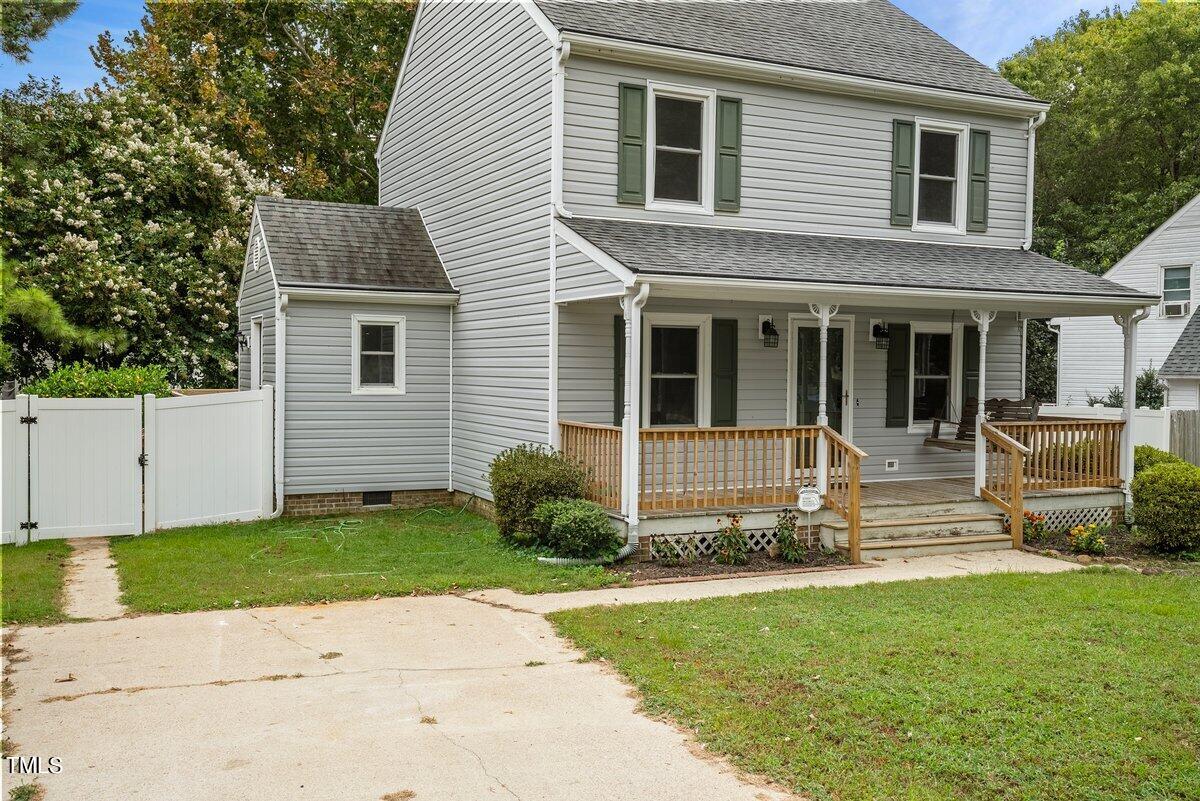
{"type": "Point", "coordinates": [131, 221]}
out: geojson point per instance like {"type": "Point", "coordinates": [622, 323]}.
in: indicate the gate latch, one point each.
{"type": "Point", "coordinates": [143, 460]}
{"type": "Point", "coordinates": [28, 421]}
{"type": "Point", "coordinates": [29, 524]}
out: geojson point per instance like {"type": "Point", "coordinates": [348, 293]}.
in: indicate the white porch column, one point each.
{"type": "Point", "coordinates": [823, 314]}
{"type": "Point", "coordinates": [631, 304]}
{"type": "Point", "coordinates": [984, 320]}
{"type": "Point", "coordinates": [1128, 323]}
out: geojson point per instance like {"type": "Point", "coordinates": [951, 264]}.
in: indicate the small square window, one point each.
{"type": "Point", "coordinates": [378, 355]}
{"type": "Point", "coordinates": [1177, 284]}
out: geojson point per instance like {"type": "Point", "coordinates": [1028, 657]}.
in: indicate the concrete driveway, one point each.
{"type": "Point", "coordinates": [425, 698]}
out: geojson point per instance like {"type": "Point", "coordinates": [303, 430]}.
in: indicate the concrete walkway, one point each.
{"type": "Point", "coordinates": [91, 590]}
{"type": "Point", "coordinates": [1006, 561]}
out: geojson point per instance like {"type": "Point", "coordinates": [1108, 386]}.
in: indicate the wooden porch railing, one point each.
{"type": "Point", "coordinates": [1004, 462]}
{"type": "Point", "coordinates": [844, 492]}
{"type": "Point", "coordinates": [704, 468]}
{"type": "Point", "coordinates": [1068, 454]}
{"type": "Point", "coordinates": [597, 449]}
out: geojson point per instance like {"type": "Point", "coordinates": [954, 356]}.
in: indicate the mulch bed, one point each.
{"type": "Point", "coordinates": [1120, 549]}
{"type": "Point", "coordinates": [757, 564]}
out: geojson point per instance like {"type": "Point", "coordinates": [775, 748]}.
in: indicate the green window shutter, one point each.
{"type": "Point", "coordinates": [618, 370]}
{"type": "Point", "coordinates": [977, 186]}
{"type": "Point", "coordinates": [729, 154]}
{"type": "Point", "coordinates": [903, 145]}
{"type": "Point", "coordinates": [970, 363]}
{"type": "Point", "coordinates": [631, 144]}
{"type": "Point", "coordinates": [724, 372]}
{"type": "Point", "coordinates": [897, 375]}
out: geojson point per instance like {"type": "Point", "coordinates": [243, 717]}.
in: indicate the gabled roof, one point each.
{"type": "Point", "coordinates": [1184, 359]}
{"type": "Point", "coordinates": [864, 38]}
{"type": "Point", "coordinates": [349, 246]}
{"type": "Point", "coordinates": [718, 252]}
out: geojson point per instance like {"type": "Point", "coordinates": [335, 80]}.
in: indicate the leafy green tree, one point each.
{"type": "Point", "coordinates": [298, 88]}
{"type": "Point", "coordinates": [1120, 149]}
{"type": "Point", "coordinates": [127, 219]}
{"type": "Point", "coordinates": [26, 21]}
{"type": "Point", "coordinates": [1150, 392]}
{"type": "Point", "coordinates": [1041, 361]}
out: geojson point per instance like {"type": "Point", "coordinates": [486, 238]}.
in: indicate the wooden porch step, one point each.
{"type": "Point", "coordinates": [931, 520]}
{"type": "Point", "coordinates": [903, 548]}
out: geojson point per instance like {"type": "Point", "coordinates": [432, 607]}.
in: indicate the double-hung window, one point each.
{"type": "Point", "coordinates": [941, 162]}
{"type": "Point", "coordinates": [676, 359]}
{"type": "Point", "coordinates": [377, 365]}
{"type": "Point", "coordinates": [932, 374]}
{"type": "Point", "coordinates": [1176, 291]}
{"type": "Point", "coordinates": [681, 135]}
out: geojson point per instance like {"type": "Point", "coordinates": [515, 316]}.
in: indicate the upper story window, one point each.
{"type": "Point", "coordinates": [940, 164]}
{"type": "Point", "coordinates": [680, 160]}
{"type": "Point", "coordinates": [377, 361]}
{"type": "Point", "coordinates": [1176, 291]}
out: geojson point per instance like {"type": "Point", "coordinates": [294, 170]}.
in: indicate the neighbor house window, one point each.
{"type": "Point", "coordinates": [677, 370]}
{"type": "Point", "coordinates": [1176, 290]}
{"type": "Point", "coordinates": [932, 369]}
{"type": "Point", "coordinates": [378, 355]}
{"type": "Point", "coordinates": [681, 134]}
{"type": "Point", "coordinates": [941, 160]}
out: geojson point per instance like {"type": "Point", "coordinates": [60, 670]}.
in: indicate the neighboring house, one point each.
{"type": "Point", "coordinates": [1167, 262]}
{"type": "Point", "coordinates": [704, 265]}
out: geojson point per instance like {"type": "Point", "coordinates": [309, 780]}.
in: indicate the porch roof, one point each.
{"type": "Point", "coordinates": [719, 252]}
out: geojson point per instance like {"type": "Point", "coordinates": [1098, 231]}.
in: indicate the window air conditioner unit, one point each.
{"type": "Point", "coordinates": [1176, 309]}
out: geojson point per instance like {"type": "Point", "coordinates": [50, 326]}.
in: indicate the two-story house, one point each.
{"type": "Point", "coordinates": [716, 252]}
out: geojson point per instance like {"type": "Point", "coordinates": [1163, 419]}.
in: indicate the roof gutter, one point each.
{"type": "Point", "coordinates": [585, 44]}
{"type": "Point", "coordinates": [1030, 140]}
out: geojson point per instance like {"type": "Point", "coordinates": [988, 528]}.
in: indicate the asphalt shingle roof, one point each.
{"type": "Point", "coordinates": [1184, 358]}
{"type": "Point", "coordinates": [866, 38]}
{"type": "Point", "coordinates": [350, 246]}
{"type": "Point", "coordinates": [714, 251]}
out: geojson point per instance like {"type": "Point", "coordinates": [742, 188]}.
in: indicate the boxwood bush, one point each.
{"type": "Point", "coordinates": [577, 529]}
{"type": "Point", "coordinates": [1166, 507]}
{"type": "Point", "coordinates": [524, 476]}
{"type": "Point", "coordinates": [1147, 456]}
{"type": "Point", "coordinates": [81, 380]}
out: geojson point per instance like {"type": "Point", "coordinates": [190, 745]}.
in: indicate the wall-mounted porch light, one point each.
{"type": "Point", "coordinates": [767, 332]}
{"type": "Point", "coordinates": [243, 342]}
{"type": "Point", "coordinates": [879, 333]}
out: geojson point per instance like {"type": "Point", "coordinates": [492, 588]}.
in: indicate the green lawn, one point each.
{"type": "Point", "coordinates": [1070, 686]}
{"type": "Point", "coordinates": [31, 580]}
{"type": "Point", "coordinates": [290, 561]}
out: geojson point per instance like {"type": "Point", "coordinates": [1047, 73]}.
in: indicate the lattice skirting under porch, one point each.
{"type": "Point", "coordinates": [703, 544]}
{"type": "Point", "coordinates": [1058, 519]}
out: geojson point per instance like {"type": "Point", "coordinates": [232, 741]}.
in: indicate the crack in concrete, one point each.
{"type": "Point", "coordinates": [288, 637]}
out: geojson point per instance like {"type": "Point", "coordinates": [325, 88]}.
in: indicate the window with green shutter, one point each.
{"type": "Point", "coordinates": [631, 143]}
{"type": "Point", "coordinates": [729, 154]}
{"type": "Point", "coordinates": [977, 186]}
{"type": "Point", "coordinates": [903, 147]}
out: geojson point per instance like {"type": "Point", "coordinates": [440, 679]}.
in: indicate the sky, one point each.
{"type": "Point", "coordinates": [987, 29]}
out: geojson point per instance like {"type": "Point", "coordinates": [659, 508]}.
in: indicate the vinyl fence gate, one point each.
{"type": "Point", "coordinates": [88, 467]}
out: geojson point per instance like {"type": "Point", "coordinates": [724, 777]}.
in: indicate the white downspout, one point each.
{"type": "Point", "coordinates": [632, 304]}
{"type": "Point", "coordinates": [450, 408]}
{"type": "Point", "coordinates": [280, 380]}
{"type": "Point", "coordinates": [1030, 141]}
{"type": "Point", "coordinates": [562, 52]}
{"type": "Point", "coordinates": [1129, 325]}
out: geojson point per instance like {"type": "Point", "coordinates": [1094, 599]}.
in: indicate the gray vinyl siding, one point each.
{"type": "Point", "coordinates": [586, 365]}
{"type": "Point", "coordinates": [468, 143]}
{"type": "Point", "coordinates": [257, 298]}
{"type": "Point", "coordinates": [1183, 393]}
{"type": "Point", "coordinates": [1091, 350]}
{"type": "Point", "coordinates": [338, 442]}
{"type": "Point", "coordinates": [576, 272]}
{"type": "Point", "coordinates": [811, 162]}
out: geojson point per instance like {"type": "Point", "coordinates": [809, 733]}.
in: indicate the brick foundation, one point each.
{"type": "Point", "coordinates": [474, 504]}
{"type": "Point", "coordinates": [329, 503]}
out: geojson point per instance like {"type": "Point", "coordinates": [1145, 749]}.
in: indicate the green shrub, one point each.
{"type": "Point", "coordinates": [84, 381]}
{"type": "Point", "coordinates": [1166, 507]}
{"type": "Point", "coordinates": [732, 546]}
{"type": "Point", "coordinates": [524, 476]}
{"type": "Point", "coordinates": [1147, 456]}
{"type": "Point", "coordinates": [577, 529]}
{"type": "Point", "coordinates": [792, 548]}
{"type": "Point", "coordinates": [543, 517]}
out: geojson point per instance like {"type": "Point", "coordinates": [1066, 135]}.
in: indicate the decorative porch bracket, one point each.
{"type": "Point", "coordinates": [823, 313]}
{"type": "Point", "coordinates": [983, 319]}
{"type": "Point", "coordinates": [1128, 323]}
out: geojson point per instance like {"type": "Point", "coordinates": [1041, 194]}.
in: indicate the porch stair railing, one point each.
{"type": "Point", "coordinates": [843, 493]}
{"type": "Point", "coordinates": [1003, 480]}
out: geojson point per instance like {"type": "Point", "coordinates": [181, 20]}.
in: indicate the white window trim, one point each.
{"type": "Point", "coordinates": [701, 322]}
{"type": "Point", "coordinates": [955, 330]}
{"type": "Point", "coordinates": [708, 136]}
{"type": "Point", "coordinates": [256, 351]}
{"type": "Point", "coordinates": [963, 130]}
{"type": "Point", "coordinates": [1162, 283]}
{"type": "Point", "coordinates": [844, 322]}
{"type": "Point", "coordinates": [356, 323]}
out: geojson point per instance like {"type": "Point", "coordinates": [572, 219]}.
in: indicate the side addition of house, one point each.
{"type": "Point", "coordinates": [716, 269]}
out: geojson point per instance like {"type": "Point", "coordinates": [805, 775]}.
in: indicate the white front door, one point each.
{"type": "Point", "coordinates": [804, 359]}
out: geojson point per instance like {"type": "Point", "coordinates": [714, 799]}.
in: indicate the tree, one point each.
{"type": "Point", "coordinates": [26, 21]}
{"type": "Point", "coordinates": [1120, 149]}
{"type": "Point", "coordinates": [1150, 392]}
{"type": "Point", "coordinates": [127, 219]}
{"type": "Point", "coordinates": [1041, 361]}
{"type": "Point", "coordinates": [298, 89]}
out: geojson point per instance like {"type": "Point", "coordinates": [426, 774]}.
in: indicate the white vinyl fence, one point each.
{"type": "Point", "coordinates": [1150, 426]}
{"type": "Point", "coordinates": [81, 467]}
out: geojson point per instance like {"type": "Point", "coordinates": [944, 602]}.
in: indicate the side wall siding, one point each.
{"type": "Point", "coordinates": [810, 162]}
{"type": "Point", "coordinates": [257, 299]}
{"type": "Point", "coordinates": [586, 375]}
{"type": "Point", "coordinates": [338, 442]}
{"type": "Point", "coordinates": [1091, 349]}
{"type": "Point", "coordinates": [468, 144]}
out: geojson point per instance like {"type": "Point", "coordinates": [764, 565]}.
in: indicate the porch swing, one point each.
{"type": "Point", "coordinates": [1000, 410]}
